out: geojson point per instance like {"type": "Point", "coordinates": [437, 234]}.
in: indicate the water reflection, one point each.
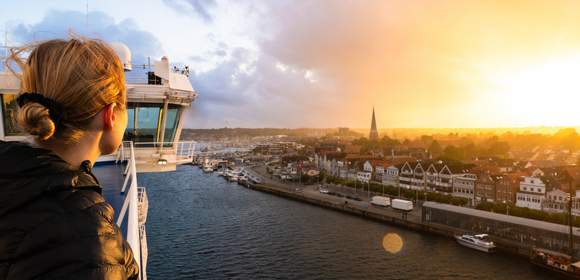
{"type": "Point", "coordinates": [392, 243]}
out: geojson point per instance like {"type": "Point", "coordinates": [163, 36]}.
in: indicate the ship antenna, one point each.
{"type": "Point", "coordinates": [87, 18]}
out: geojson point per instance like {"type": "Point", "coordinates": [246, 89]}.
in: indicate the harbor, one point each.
{"type": "Point", "coordinates": [420, 218]}
{"type": "Point", "coordinates": [223, 230]}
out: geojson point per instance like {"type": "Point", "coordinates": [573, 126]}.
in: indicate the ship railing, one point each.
{"type": "Point", "coordinates": [182, 149]}
{"type": "Point", "coordinates": [143, 205]}
{"type": "Point", "coordinates": [130, 208]}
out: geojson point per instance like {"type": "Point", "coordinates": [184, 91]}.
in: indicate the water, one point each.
{"type": "Point", "coordinates": [201, 227]}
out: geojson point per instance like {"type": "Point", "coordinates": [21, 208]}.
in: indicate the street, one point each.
{"type": "Point", "coordinates": [343, 192]}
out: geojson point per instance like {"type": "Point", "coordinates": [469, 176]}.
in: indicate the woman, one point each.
{"type": "Point", "coordinates": [54, 223]}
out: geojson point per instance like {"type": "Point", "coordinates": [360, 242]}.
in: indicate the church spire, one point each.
{"type": "Point", "coordinates": [374, 135]}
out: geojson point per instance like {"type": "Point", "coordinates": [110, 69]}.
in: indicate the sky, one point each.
{"type": "Point", "coordinates": [299, 63]}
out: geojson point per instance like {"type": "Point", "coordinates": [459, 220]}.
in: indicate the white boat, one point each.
{"type": "Point", "coordinates": [478, 242]}
{"type": "Point", "coordinates": [207, 168]}
{"type": "Point", "coordinates": [233, 178]}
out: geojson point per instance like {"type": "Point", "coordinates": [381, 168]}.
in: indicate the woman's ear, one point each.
{"type": "Point", "coordinates": [109, 117]}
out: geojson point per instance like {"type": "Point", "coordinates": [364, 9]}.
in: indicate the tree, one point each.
{"type": "Point", "coordinates": [499, 149]}
{"type": "Point", "coordinates": [435, 149]}
{"type": "Point", "coordinates": [454, 153]}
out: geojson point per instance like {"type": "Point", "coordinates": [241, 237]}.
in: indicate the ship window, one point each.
{"type": "Point", "coordinates": [9, 110]}
{"type": "Point", "coordinates": [147, 120]}
{"type": "Point", "coordinates": [142, 123]}
{"type": "Point", "coordinates": [171, 121]}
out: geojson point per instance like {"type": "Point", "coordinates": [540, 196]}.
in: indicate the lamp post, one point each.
{"type": "Point", "coordinates": [507, 207]}
{"type": "Point", "coordinates": [399, 185]}
{"type": "Point", "coordinates": [570, 236]}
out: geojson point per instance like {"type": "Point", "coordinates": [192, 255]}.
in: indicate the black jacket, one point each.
{"type": "Point", "coordinates": [54, 223]}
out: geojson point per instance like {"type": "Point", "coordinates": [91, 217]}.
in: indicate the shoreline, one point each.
{"type": "Point", "coordinates": [382, 216]}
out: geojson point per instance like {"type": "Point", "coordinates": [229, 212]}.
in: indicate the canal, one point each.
{"type": "Point", "coordinates": [201, 227]}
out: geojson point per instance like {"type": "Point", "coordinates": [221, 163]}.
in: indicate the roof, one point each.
{"type": "Point", "coordinates": [573, 172]}
{"type": "Point", "coordinates": [503, 218]}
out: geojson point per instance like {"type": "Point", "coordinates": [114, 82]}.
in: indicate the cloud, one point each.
{"type": "Point", "coordinates": [199, 7]}
{"type": "Point", "coordinates": [419, 63]}
{"type": "Point", "coordinates": [248, 90]}
{"type": "Point", "coordinates": [59, 24]}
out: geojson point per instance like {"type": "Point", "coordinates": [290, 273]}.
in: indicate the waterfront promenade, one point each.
{"type": "Point", "coordinates": [311, 193]}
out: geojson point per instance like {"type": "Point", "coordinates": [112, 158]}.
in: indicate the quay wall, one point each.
{"type": "Point", "coordinates": [506, 246]}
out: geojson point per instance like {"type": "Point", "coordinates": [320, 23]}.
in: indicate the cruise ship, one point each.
{"type": "Point", "coordinates": [157, 95]}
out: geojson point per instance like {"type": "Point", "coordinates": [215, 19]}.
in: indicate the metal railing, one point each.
{"type": "Point", "coordinates": [131, 207]}
{"type": "Point", "coordinates": [183, 149]}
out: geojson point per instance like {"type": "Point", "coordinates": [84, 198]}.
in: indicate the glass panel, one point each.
{"type": "Point", "coordinates": [147, 120]}
{"type": "Point", "coordinates": [130, 131]}
{"type": "Point", "coordinates": [170, 125]}
{"type": "Point", "coordinates": [9, 110]}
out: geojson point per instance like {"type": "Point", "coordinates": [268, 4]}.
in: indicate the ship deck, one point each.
{"type": "Point", "coordinates": [111, 177]}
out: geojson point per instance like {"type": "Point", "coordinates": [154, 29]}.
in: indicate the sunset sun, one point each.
{"type": "Point", "coordinates": [545, 93]}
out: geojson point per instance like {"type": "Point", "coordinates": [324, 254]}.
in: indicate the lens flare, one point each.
{"type": "Point", "coordinates": [392, 243]}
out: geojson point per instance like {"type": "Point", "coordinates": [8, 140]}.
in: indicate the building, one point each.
{"type": "Point", "coordinates": [374, 134]}
{"type": "Point", "coordinates": [531, 194]}
{"type": "Point", "coordinates": [464, 186]}
{"type": "Point", "coordinates": [507, 186]}
{"type": "Point", "coordinates": [412, 176]}
{"type": "Point", "coordinates": [526, 232]}
{"type": "Point", "coordinates": [429, 176]}
{"type": "Point", "coordinates": [485, 188]}
{"type": "Point", "coordinates": [368, 167]}
{"type": "Point", "coordinates": [363, 176]}
{"type": "Point", "coordinates": [556, 201]}
{"type": "Point", "coordinates": [391, 176]}
{"type": "Point", "coordinates": [439, 178]}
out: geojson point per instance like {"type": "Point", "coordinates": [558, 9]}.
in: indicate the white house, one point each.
{"type": "Point", "coordinates": [363, 176]}
{"type": "Point", "coordinates": [556, 201]}
{"type": "Point", "coordinates": [379, 173]}
{"type": "Point", "coordinates": [464, 186]}
{"type": "Point", "coordinates": [391, 176]}
{"type": "Point", "coordinates": [532, 193]}
{"type": "Point", "coordinates": [368, 167]}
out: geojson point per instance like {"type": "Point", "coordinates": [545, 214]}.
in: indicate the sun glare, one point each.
{"type": "Point", "coordinates": [546, 93]}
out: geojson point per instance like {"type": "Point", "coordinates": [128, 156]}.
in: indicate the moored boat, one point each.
{"type": "Point", "coordinates": [556, 262]}
{"type": "Point", "coordinates": [478, 242]}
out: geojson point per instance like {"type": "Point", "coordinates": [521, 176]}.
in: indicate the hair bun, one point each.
{"type": "Point", "coordinates": [34, 118]}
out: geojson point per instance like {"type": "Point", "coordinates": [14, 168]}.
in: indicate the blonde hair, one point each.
{"type": "Point", "coordinates": [81, 75]}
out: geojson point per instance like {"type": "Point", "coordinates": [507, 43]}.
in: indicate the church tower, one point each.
{"type": "Point", "coordinates": [374, 135]}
